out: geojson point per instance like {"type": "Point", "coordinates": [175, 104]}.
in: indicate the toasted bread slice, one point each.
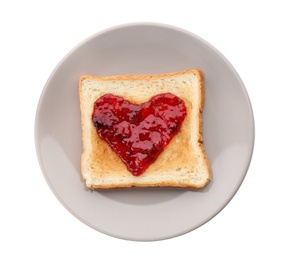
{"type": "Point", "coordinates": [183, 162]}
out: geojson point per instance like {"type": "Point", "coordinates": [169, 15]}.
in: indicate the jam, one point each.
{"type": "Point", "coordinates": [138, 133]}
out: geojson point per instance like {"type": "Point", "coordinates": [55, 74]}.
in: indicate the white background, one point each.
{"type": "Point", "coordinates": [35, 35]}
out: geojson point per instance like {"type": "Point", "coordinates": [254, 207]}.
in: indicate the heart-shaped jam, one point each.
{"type": "Point", "coordinates": [138, 133]}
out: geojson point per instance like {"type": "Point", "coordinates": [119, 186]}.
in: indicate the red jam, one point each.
{"type": "Point", "coordinates": [138, 133]}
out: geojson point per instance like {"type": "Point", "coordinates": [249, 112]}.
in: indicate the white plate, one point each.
{"type": "Point", "coordinates": [155, 213]}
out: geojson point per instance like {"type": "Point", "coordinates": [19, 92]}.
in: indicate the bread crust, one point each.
{"type": "Point", "coordinates": [176, 166]}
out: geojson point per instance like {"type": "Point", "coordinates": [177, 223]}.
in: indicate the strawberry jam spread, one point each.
{"type": "Point", "coordinates": [138, 133]}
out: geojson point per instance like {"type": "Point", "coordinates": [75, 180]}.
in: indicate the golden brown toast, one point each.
{"type": "Point", "coordinates": [182, 163]}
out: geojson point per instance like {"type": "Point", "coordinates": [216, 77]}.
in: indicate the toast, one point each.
{"type": "Point", "coordinates": [182, 163]}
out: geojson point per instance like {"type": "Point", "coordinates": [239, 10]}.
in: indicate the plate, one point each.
{"type": "Point", "coordinates": [154, 213]}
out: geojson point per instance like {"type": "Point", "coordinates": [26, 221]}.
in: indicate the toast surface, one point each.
{"type": "Point", "coordinates": [183, 163]}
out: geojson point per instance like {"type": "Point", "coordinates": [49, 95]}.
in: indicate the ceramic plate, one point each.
{"type": "Point", "coordinates": [154, 213]}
